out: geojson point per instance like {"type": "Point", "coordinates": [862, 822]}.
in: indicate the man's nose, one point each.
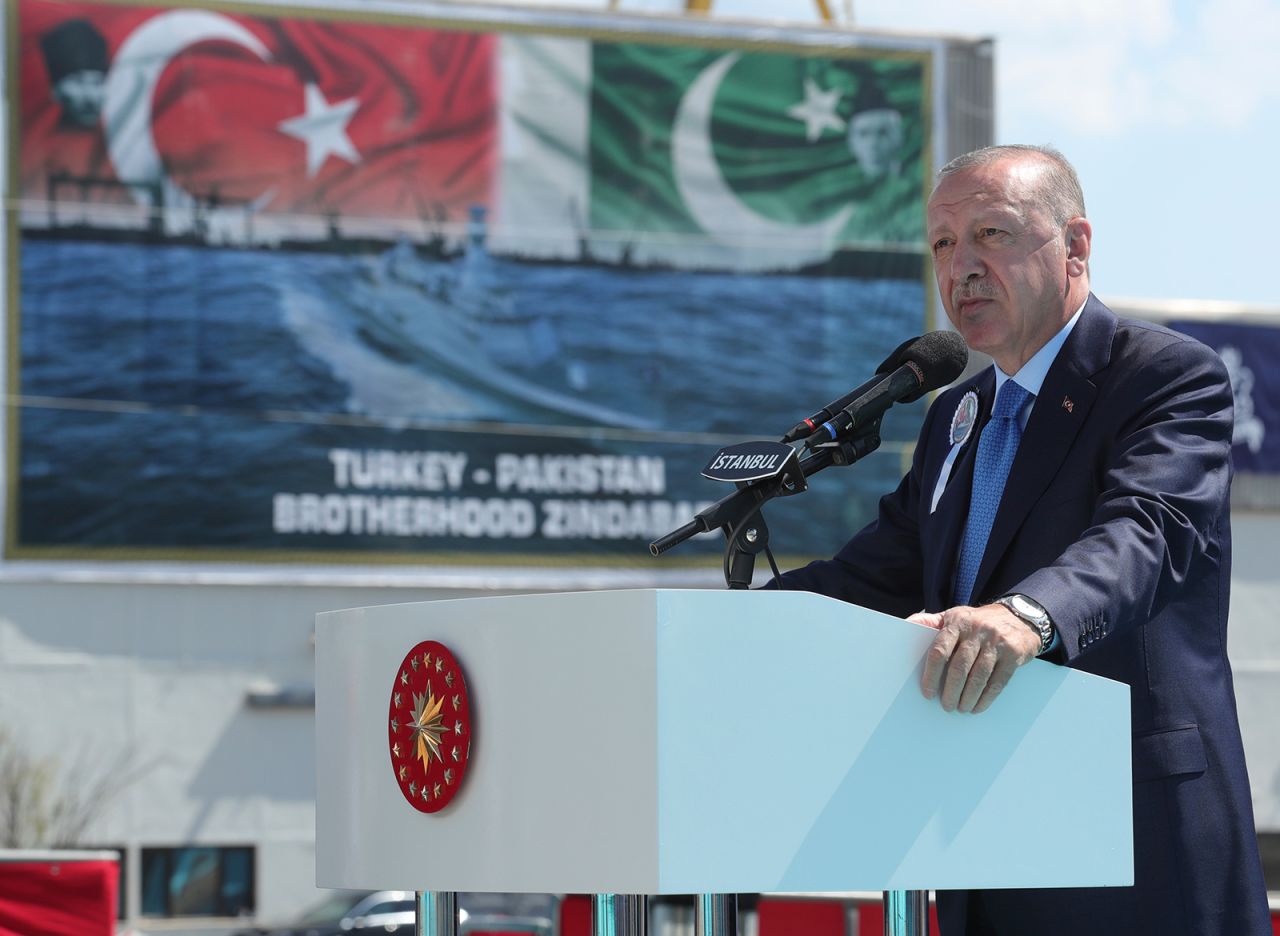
{"type": "Point", "coordinates": [965, 262]}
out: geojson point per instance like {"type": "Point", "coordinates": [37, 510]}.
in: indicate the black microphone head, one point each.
{"type": "Point", "coordinates": [939, 356]}
{"type": "Point", "coordinates": [897, 356]}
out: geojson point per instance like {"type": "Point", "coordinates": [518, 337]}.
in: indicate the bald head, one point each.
{"type": "Point", "coordinates": [1056, 185]}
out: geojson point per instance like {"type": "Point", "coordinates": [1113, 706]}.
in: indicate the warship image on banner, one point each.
{"type": "Point", "coordinates": [210, 219]}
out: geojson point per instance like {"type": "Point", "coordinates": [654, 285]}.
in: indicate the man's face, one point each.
{"type": "Point", "coordinates": [1003, 266]}
{"type": "Point", "coordinates": [80, 95]}
{"type": "Point", "coordinates": [875, 139]}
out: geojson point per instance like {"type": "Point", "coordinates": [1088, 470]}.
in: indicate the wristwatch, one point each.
{"type": "Point", "coordinates": [1033, 614]}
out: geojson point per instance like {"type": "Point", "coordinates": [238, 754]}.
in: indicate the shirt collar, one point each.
{"type": "Point", "coordinates": [1031, 375]}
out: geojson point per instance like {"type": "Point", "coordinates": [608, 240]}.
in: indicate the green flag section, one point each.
{"type": "Point", "coordinates": [771, 157]}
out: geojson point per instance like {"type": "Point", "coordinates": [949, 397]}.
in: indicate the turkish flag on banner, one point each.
{"type": "Point", "coordinates": [297, 116]}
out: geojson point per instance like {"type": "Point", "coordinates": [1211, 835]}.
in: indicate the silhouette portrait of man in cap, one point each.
{"type": "Point", "coordinates": [75, 55]}
{"type": "Point", "coordinates": [876, 132]}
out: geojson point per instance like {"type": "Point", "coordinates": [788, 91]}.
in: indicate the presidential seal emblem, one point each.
{"type": "Point", "coordinates": [429, 727]}
{"type": "Point", "coordinates": [965, 416]}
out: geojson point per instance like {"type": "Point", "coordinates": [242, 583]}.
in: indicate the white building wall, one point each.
{"type": "Point", "coordinates": [1253, 642]}
{"type": "Point", "coordinates": [158, 676]}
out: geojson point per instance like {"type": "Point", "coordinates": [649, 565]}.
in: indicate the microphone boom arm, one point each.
{"type": "Point", "coordinates": [730, 512]}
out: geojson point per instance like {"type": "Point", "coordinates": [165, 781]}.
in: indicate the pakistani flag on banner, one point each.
{"type": "Point", "coordinates": [688, 157]}
{"type": "Point", "coordinates": [759, 152]}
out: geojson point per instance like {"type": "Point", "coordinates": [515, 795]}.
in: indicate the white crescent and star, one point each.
{"type": "Point", "coordinates": [323, 128]}
{"type": "Point", "coordinates": [817, 110]}
{"type": "Point", "coordinates": [708, 198]}
{"type": "Point", "coordinates": [130, 93]}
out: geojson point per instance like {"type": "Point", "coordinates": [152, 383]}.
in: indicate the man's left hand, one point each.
{"type": "Point", "coordinates": [975, 654]}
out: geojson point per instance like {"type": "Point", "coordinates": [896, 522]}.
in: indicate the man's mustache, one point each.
{"type": "Point", "coordinates": [973, 290]}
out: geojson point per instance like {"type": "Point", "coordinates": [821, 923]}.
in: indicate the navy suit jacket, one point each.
{"type": "Point", "coordinates": [1116, 518]}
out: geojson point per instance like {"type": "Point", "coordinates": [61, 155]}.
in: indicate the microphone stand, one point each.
{"type": "Point", "coordinates": [739, 514]}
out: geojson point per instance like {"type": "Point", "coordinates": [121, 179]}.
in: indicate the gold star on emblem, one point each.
{"type": "Point", "coordinates": [427, 726]}
{"type": "Point", "coordinates": [453, 752]}
{"type": "Point", "coordinates": [404, 679]}
{"type": "Point", "coordinates": [425, 794]}
{"type": "Point", "coordinates": [413, 789]}
{"type": "Point", "coordinates": [395, 726]}
{"type": "Point", "coordinates": [414, 664]}
{"type": "Point", "coordinates": [395, 749]}
{"type": "Point", "coordinates": [439, 665]}
{"type": "Point", "coordinates": [457, 726]}
{"type": "Point", "coordinates": [426, 660]}
{"type": "Point", "coordinates": [435, 791]}
{"type": "Point", "coordinates": [396, 700]}
{"type": "Point", "coordinates": [448, 777]}
{"type": "Point", "coordinates": [457, 702]}
{"type": "Point", "coordinates": [404, 772]}
{"type": "Point", "coordinates": [448, 679]}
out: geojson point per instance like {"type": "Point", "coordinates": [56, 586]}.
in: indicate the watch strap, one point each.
{"type": "Point", "coordinates": [1040, 623]}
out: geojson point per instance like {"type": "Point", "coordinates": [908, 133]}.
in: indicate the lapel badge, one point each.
{"type": "Point", "coordinates": [965, 417]}
{"type": "Point", "coordinates": [1067, 404]}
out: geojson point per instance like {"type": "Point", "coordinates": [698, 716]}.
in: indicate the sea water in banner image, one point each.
{"type": "Point", "coordinates": [222, 375]}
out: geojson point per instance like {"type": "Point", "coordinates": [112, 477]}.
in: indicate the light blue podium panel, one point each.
{"type": "Point", "coordinates": [674, 742]}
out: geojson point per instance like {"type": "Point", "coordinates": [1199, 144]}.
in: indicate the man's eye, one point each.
{"type": "Point", "coordinates": [990, 232]}
{"type": "Point", "coordinates": [940, 243]}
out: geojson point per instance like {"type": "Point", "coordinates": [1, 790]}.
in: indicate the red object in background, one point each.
{"type": "Point", "coordinates": [575, 915]}
{"type": "Point", "coordinates": [58, 898]}
{"type": "Point", "coordinates": [871, 919]}
{"type": "Point", "coordinates": [780, 916]}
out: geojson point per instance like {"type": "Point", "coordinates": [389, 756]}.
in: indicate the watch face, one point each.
{"type": "Point", "coordinates": [1024, 605]}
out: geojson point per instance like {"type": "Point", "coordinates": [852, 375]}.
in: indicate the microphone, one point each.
{"type": "Point", "coordinates": [807, 427]}
{"type": "Point", "coordinates": [925, 363]}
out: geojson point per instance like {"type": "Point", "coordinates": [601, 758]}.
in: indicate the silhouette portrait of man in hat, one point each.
{"type": "Point", "coordinates": [75, 55]}
{"type": "Point", "coordinates": [876, 132]}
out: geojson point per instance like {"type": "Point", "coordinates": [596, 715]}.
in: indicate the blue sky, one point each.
{"type": "Point", "coordinates": [1170, 110]}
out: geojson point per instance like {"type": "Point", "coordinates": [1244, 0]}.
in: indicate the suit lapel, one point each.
{"type": "Point", "coordinates": [953, 507]}
{"type": "Point", "coordinates": [1061, 408]}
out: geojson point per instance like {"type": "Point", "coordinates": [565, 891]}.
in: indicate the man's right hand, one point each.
{"type": "Point", "coordinates": [974, 655]}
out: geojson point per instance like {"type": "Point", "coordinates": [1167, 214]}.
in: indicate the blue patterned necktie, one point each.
{"type": "Point", "coordinates": [996, 448]}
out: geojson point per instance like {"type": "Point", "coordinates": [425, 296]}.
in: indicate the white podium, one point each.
{"type": "Point", "coordinates": [676, 742]}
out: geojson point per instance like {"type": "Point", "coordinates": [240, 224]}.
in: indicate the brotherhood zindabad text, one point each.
{"type": "Point", "coordinates": [355, 509]}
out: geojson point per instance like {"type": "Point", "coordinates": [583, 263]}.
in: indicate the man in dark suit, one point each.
{"type": "Point", "coordinates": [1072, 503]}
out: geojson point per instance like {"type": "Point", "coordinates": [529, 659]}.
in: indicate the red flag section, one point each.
{"type": "Point", "coordinates": [294, 116]}
{"type": "Point", "coordinates": [58, 897]}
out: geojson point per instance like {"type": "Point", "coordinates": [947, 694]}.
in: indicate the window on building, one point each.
{"type": "Point", "coordinates": [197, 881]}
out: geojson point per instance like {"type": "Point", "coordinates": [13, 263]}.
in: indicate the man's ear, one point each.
{"type": "Point", "coordinates": [1079, 242]}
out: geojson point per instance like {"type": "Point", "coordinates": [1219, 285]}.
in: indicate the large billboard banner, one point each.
{"type": "Point", "coordinates": [1249, 352]}
{"type": "Point", "coordinates": [355, 288]}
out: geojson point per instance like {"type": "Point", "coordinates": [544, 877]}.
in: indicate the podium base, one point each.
{"type": "Point", "coordinates": [435, 913]}
{"type": "Point", "coordinates": [715, 915]}
{"type": "Point", "coordinates": [619, 915]}
{"type": "Point", "coordinates": [906, 913]}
